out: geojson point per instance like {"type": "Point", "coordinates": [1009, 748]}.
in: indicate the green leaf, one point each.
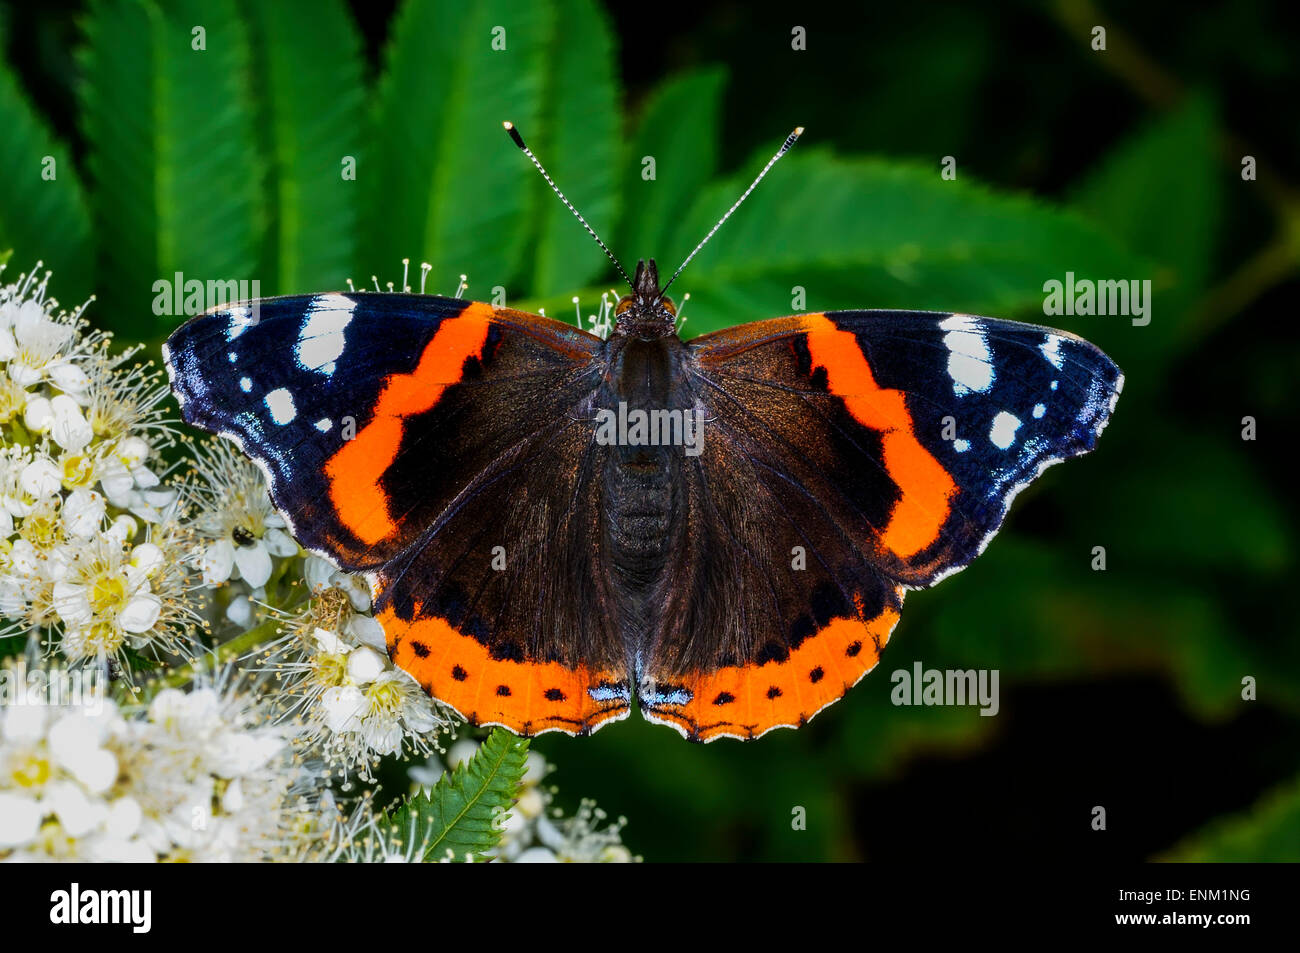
{"type": "Point", "coordinates": [462, 810]}
{"type": "Point", "coordinates": [866, 233]}
{"type": "Point", "coordinates": [170, 131]}
{"type": "Point", "coordinates": [680, 129]}
{"type": "Point", "coordinates": [1269, 832]}
{"type": "Point", "coordinates": [41, 218]}
{"type": "Point", "coordinates": [444, 184]}
{"type": "Point", "coordinates": [310, 85]}
{"type": "Point", "coordinates": [1195, 474]}
{"type": "Point", "coordinates": [1160, 192]}
{"type": "Point", "coordinates": [578, 138]}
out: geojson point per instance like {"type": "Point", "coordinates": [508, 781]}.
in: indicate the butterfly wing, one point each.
{"type": "Point", "coordinates": [850, 456]}
{"type": "Point", "coordinates": [436, 445]}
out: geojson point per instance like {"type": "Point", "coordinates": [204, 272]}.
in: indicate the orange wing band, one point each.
{"type": "Point", "coordinates": [529, 698]}
{"type": "Point", "coordinates": [355, 470]}
{"type": "Point", "coordinates": [750, 700]}
{"type": "Point", "coordinates": [926, 487]}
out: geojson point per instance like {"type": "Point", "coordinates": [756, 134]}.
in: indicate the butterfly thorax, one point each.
{"type": "Point", "coordinates": [645, 313]}
{"type": "Point", "coordinates": [647, 394]}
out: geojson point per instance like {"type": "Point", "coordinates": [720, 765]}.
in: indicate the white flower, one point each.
{"type": "Point", "coordinates": [235, 516]}
{"type": "Point", "coordinates": [343, 707]}
{"type": "Point", "coordinates": [129, 484]}
{"type": "Point", "coordinates": [69, 429]}
{"type": "Point", "coordinates": [20, 818]}
{"type": "Point", "coordinates": [537, 855]}
{"type": "Point", "coordinates": [38, 414]}
{"type": "Point", "coordinates": [70, 379]}
{"type": "Point", "coordinates": [83, 513]}
{"type": "Point", "coordinates": [112, 596]}
{"type": "Point", "coordinates": [320, 575]}
{"type": "Point", "coordinates": [75, 745]}
{"type": "Point", "coordinates": [41, 478]}
{"type": "Point", "coordinates": [37, 342]}
{"type": "Point", "coordinates": [365, 665]}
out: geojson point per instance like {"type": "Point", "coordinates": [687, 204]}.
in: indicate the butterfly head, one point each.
{"type": "Point", "coordinates": [646, 313]}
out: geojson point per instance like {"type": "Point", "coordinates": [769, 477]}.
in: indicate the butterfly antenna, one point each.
{"type": "Point", "coordinates": [519, 141]}
{"type": "Point", "coordinates": [790, 140]}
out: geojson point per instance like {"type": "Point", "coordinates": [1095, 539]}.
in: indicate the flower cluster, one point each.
{"type": "Point", "coordinates": [90, 550]}
{"type": "Point", "coordinates": [197, 776]}
{"type": "Point", "coordinates": [333, 673]}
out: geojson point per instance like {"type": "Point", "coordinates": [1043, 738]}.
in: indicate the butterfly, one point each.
{"type": "Point", "coordinates": [556, 525]}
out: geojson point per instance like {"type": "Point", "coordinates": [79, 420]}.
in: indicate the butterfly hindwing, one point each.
{"type": "Point", "coordinates": [429, 442]}
{"type": "Point", "coordinates": [849, 456]}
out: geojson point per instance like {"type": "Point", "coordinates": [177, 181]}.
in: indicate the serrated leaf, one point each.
{"type": "Point", "coordinates": [867, 233]}
{"type": "Point", "coordinates": [578, 140]}
{"type": "Point", "coordinates": [680, 128]}
{"type": "Point", "coordinates": [170, 131]}
{"type": "Point", "coordinates": [443, 183]}
{"type": "Point", "coordinates": [461, 812]}
{"type": "Point", "coordinates": [1269, 832]}
{"type": "Point", "coordinates": [41, 218]}
{"type": "Point", "coordinates": [309, 104]}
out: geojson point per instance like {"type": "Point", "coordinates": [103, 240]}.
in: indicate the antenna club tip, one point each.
{"type": "Point", "coordinates": [514, 134]}
{"type": "Point", "coordinates": [508, 125]}
{"type": "Point", "coordinates": [798, 131]}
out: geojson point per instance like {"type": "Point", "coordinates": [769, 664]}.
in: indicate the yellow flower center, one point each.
{"type": "Point", "coordinates": [385, 698]}
{"type": "Point", "coordinates": [108, 593]}
{"type": "Point", "coordinates": [41, 529]}
{"type": "Point", "coordinates": [31, 771]}
{"type": "Point", "coordinates": [104, 637]}
{"type": "Point", "coordinates": [329, 669]}
{"type": "Point", "coordinates": [78, 470]}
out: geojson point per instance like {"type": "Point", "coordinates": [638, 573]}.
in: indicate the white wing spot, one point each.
{"type": "Point", "coordinates": [970, 365]}
{"type": "Point", "coordinates": [245, 384]}
{"type": "Point", "coordinates": [280, 403]}
{"type": "Point", "coordinates": [324, 424]}
{"type": "Point", "coordinates": [1039, 410]}
{"type": "Point", "coordinates": [321, 341]}
{"type": "Point", "coordinates": [241, 319]}
{"type": "Point", "coordinates": [1051, 349]}
{"type": "Point", "coordinates": [961, 446]}
{"type": "Point", "coordinates": [1003, 431]}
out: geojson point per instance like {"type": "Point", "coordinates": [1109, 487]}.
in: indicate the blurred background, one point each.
{"type": "Point", "coordinates": [303, 143]}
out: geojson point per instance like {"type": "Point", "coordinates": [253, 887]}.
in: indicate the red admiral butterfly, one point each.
{"type": "Point", "coordinates": [540, 559]}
